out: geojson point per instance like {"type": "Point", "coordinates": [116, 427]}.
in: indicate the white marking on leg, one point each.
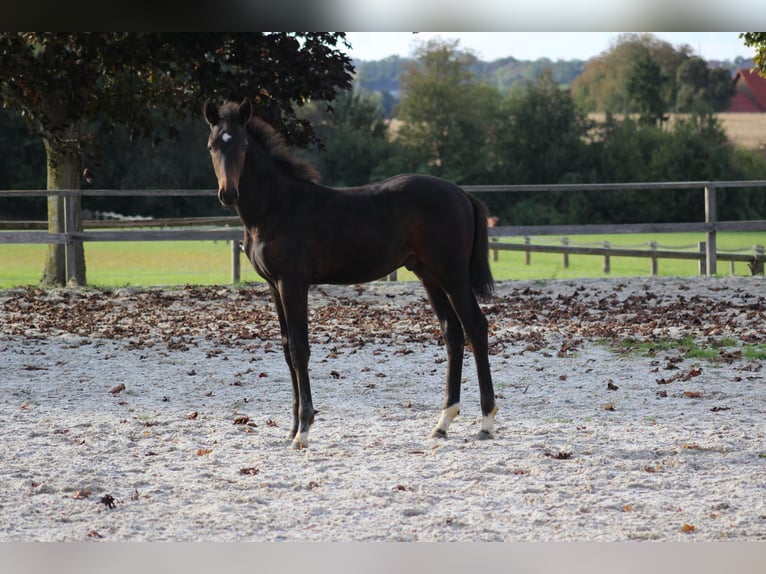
{"type": "Point", "coordinates": [301, 440]}
{"type": "Point", "coordinates": [448, 415]}
{"type": "Point", "coordinates": [488, 424]}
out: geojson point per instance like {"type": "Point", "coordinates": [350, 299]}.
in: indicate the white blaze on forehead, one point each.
{"type": "Point", "coordinates": [226, 136]}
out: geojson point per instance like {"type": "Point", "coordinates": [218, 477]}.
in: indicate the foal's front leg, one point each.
{"type": "Point", "coordinates": [288, 359]}
{"type": "Point", "coordinates": [294, 299]}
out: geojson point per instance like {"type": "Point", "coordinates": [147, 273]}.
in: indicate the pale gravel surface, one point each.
{"type": "Point", "coordinates": [572, 459]}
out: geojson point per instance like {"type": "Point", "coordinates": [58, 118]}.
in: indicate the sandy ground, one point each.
{"type": "Point", "coordinates": [130, 415]}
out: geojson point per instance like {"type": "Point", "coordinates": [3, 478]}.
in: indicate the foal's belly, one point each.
{"type": "Point", "coordinates": [359, 267]}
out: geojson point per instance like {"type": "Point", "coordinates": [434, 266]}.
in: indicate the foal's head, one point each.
{"type": "Point", "coordinates": [228, 145]}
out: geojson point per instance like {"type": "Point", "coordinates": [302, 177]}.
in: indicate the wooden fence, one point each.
{"type": "Point", "coordinates": [229, 228]}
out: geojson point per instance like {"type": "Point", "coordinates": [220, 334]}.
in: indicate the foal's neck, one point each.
{"type": "Point", "coordinates": [263, 189]}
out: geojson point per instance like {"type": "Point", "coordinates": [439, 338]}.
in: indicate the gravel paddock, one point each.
{"type": "Point", "coordinates": [630, 409]}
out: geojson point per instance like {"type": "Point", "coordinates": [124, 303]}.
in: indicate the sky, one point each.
{"type": "Point", "coordinates": [489, 46]}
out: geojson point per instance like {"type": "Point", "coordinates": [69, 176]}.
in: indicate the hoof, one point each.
{"type": "Point", "coordinates": [485, 435]}
{"type": "Point", "coordinates": [300, 441]}
{"type": "Point", "coordinates": [439, 433]}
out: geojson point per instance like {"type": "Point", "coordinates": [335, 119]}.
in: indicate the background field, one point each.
{"type": "Point", "coordinates": [206, 263]}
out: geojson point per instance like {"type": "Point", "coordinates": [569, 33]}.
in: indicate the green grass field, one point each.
{"type": "Point", "coordinates": [206, 263]}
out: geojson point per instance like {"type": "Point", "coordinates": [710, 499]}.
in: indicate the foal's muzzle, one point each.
{"type": "Point", "coordinates": [228, 196]}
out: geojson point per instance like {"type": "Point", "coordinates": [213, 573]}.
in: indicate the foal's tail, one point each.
{"type": "Point", "coordinates": [481, 275]}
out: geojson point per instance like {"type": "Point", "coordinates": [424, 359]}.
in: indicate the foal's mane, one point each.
{"type": "Point", "coordinates": [273, 143]}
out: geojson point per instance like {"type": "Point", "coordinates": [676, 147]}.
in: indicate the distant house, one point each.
{"type": "Point", "coordinates": [750, 92]}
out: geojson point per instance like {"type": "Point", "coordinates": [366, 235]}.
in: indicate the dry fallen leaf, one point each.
{"type": "Point", "coordinates": [192, 416]}
{"type": "Point", "coordinates": [693, 394]}
{"type": "Point", "coordinates": [627, 508]}
{"type": "Point", "coordinates": [204, 451]}
{"type": "Point", "coordinates": [35, 368]}
{"type": "Point", "coordinates": [242, 420]}
{"type": "Point", "coordinates": [608, 407]}
{"type": "Point", "coordinates": [118, 389]}
{"type": "Point", "coordinates": [561, 455]}
{"type": "Point", "coordinates": [688, 528]}
{"type": "Point", "coordinates": [82, 493]}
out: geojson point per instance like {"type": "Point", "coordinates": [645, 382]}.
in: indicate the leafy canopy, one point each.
{"type": "Point", "coordinates": [58, 81]}
{"type": "Point", "coordinates": [757, 40]}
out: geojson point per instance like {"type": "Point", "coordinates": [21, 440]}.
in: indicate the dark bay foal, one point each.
{"type": "Point", "coordinates": [299, 233]}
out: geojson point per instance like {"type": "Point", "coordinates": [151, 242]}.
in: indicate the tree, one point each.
{"type": "Point", "coordinates": [692, 79]}
{"type": "Point", "coordinates": [541, 139]}
{"type": "Point", "coordinates": [702, 88]}
{"type": "Point", "coordinates": [720, 88]}
{"type": "Point", "coordinates": [446, 113]}
{"type": "Point", "coordinates": [757, 40]}
{"type": "Point", "coordinates": [71, 86]}
{"type": "Point", "coordinates": [603, 85]}
{"type": "Point", "coordinates": [644, 83]}
{"type": "Point", "coordinates": [355, 145]}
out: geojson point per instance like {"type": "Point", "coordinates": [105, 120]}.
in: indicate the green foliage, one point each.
{"type": "Point", "coordinates": [643, 74]}
{"type": "Point", "coordinates": [60, 80]}
{"type": "Point", "coordinates": [542, 138]}
{"type": "Point", "coordinates": [644, 84]}
{"type": "Point", "coordinates": [445, 113]}
{"type": "Point", "coordinates": [355, 144]}
{"type": "Point", "coordinates": [757, 40]}
{"type": "Point", "coordinates": [504, 74]}
{"type": "Point", "coordinates": [700, 87]}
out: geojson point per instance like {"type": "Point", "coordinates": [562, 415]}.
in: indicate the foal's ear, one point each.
{"type": "Point", "coordinates": [211, 113]}
{"type": "Point", "coordinates": [245, 111]}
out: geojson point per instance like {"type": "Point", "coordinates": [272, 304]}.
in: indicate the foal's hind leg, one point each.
{"type": "Point", "coordinates": [475, 325]}
{"type": "Point", "coordinates": [454, 340]}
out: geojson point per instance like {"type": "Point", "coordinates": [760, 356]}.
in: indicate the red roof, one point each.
{"type": "Point", "coordinates": [750, 95]}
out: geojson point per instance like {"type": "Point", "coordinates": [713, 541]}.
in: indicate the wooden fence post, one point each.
{"type": "Point", "coordinates": [653, 268]}
{"type": "Point", "coordinates": [565, 254]}
{"type": "Point", "coordinates": [756, 266]}
{"type": "Point", "coordinates": [527, 254]}
{"type": "Point", "coordinates": [606, 267]}
{"type": "Point", "coordinates": [710, 217]}
{"type": "Point", "coordinates": [236, 249]}
{"type": "Point", "coordinates": [702, 248]}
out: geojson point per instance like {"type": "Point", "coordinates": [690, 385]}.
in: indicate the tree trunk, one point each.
{"type": "Point", "coordinates": [63, 171]}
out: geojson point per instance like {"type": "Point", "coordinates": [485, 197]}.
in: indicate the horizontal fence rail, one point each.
{"type": "Point", "coordinates": [229, 228]}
